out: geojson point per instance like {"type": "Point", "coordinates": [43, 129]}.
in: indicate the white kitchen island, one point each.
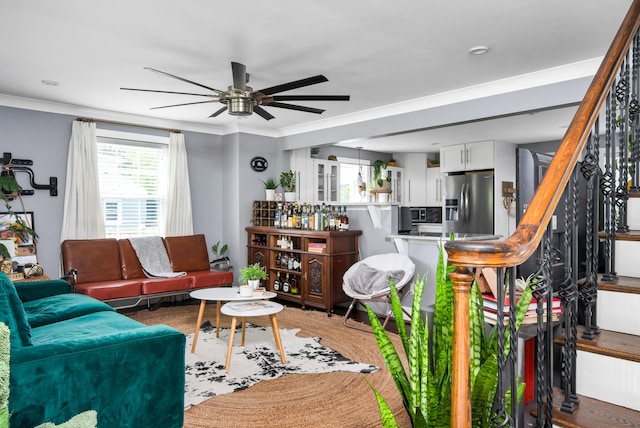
{"type": "Point", "coordinates": [423, 248]}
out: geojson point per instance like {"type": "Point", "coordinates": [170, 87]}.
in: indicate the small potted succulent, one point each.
{"type": "Point", "coordinates": [288, 183]}
{"type": "Point", "coordinates": [252, 275]}
{"type": "Point", "coordinates": [270, 186]}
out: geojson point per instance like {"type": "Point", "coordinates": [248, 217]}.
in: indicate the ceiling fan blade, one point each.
{"type": "Point", "coordinates": [239, 75]}
{"type": "Point", "coordinates": [219, 111]}
{"type": "Point", "coordinates": [185, 104]}
{"type": "Point", "coordinates": [183, 79]}
{"type": "Point", "coordinates": [168, 92]}
{"type": "Point", "coordinates": [263, 113]}
{"type": "Point", "coordinates": [295, 107]}
{"type": "Point", "coordinates": [311, 97]}
{"type": "Point", "coordinates": [294, 85]}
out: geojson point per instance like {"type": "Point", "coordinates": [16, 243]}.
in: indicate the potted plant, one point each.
{"type": "Point", "coordinates": [392, 162]}
{"type": "Point", "coordinates": [288, 183]}
{"type": "Point", "coordinates": [252, 275]}
{"type": "Point", "coordinates": [426, 390]}
{"type": "Point", "coordinates": [270, 186]}
{"type": "Point", "coordinates": [381, 180]}
{"type": "Point", "coordinates": [221, 262]}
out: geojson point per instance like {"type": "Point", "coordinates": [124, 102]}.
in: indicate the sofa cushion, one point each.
{"type": "Point", "coordinates": [187, 253]}
{"type": "Point", "coordinates": [165, 285]}
{"type": "Point", "coordinates": [203, 279]}
{"type": "Point", "coordinates": [129, 262]}
{"type": "Point", "coordinates": [106, 290]}
{"type": "Point", "coordinates": [94, 259]}
{"type": "Point", "coordinates": [19, 315]}
{"type": "Point", "coordinates": [62, 307]}
{"type": "Point", "coordinates": [32, 290]}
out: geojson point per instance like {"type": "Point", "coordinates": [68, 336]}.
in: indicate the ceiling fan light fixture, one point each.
{"type": "Point", "coordinates": [241, 106]}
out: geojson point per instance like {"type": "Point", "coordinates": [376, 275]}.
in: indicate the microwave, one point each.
{"type": "Point", "coordinates": [420, 215]}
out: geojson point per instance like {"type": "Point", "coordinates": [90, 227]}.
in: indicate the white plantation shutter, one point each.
{"type": "Point", "coordinates": [133, 186]}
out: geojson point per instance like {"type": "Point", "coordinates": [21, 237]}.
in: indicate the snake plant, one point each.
{"type": "Point", "coordinates": [426, 388]}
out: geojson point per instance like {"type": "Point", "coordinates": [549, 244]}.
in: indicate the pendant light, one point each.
{"type": "Point", "coordinates": [361, 185]}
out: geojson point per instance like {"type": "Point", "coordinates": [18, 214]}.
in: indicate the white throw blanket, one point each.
{"type": "Point", "coordinates": [153, 257]}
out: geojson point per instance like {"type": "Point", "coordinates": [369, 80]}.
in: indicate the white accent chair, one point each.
{"type": "Point", "coordinates": [367, 281]}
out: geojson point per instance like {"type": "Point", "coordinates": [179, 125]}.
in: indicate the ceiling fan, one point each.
{"type": "Point", "coordinates": [242, 100]}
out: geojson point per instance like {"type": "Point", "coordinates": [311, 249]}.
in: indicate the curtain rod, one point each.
{"type": "Point", "coordinates": [111, 122]}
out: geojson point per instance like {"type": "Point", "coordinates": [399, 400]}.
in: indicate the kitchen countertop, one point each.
{"type": "Point", "coordinates": [436, 236]}
{"type": "Point", "coordinates": [402, 240]}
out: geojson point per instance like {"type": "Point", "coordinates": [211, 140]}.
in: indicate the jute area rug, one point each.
{"type": "Point", "coordinates": [339, 399]}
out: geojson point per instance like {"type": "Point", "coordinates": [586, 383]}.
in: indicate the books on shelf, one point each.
{"type": "Point", "coordinates": [490, 302]}
{"type": "Point", "coordinates": [317, 247]}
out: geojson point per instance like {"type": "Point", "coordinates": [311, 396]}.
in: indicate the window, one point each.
{"type": "Point", "coordinates": [349, 168]}
{"type": "Point", "coordinates": [133, 183]}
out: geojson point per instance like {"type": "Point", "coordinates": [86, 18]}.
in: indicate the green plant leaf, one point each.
{"type": "Point", "coordinates": [386, 415]}
{"type": "Point", "coordinates": [391, 358]}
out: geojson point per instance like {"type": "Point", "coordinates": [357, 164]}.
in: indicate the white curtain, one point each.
{"type": "Point", "coordinates": [83, 218]}
{"type": "Point", "coordinates": [179, 216]}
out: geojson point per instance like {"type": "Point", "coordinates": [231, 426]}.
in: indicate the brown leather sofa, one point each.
{"type": "Point", "coordinates": [109, 270]}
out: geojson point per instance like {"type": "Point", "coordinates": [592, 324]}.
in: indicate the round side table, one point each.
{"type": "Point", "coordinates": [252, 309]}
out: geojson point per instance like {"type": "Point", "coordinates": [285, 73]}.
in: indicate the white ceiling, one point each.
{"type": "Point", "coordinates": [380, 53]}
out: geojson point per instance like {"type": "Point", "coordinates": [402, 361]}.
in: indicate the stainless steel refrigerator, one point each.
{"type": "Point", "coordinates": [469, 202]}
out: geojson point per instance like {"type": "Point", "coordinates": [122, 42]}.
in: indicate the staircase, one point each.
{"type": "Point", "coordinates": [608, 367]}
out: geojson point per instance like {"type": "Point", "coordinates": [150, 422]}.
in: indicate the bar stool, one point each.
{"type": "Point", "coordinates": [252, 309]}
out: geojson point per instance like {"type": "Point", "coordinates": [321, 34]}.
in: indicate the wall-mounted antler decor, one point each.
{"type": "Point", "coordinates": [11, 165]}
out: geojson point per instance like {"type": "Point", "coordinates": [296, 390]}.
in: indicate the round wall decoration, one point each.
{"type": "Point", "coordinates": [259, 164]}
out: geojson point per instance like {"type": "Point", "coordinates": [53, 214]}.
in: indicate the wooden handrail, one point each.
{"type": "Point", "coordinates": [520, 246]}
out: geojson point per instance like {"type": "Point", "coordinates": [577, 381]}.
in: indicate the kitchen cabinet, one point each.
{"type": "Point", "coordinates": [301, 163]}
{"type": "Point", "coordinates": [326, 181]}
{"type": "Point", "coordinates": [415, 170]}
{"type": "Point", "coordinates": [467, 157]}
{"type": "Point", "coordinates": [319, 260]}
{"type": "Point", "coordinates": [397, 184]}
{"type": "Point", "coordinates": [434, 188]}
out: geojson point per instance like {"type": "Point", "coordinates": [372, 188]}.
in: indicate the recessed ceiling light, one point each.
{"type": "Point", "coordinates": [50, 83]}
{"type": "Point", "coordinates": [478, 50]}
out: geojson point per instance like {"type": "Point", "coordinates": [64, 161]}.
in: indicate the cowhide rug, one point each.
{"type": "Point", "coordinates": [258, 360]}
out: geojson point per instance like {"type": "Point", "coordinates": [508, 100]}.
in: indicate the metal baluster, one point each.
{"type": "Point", "coordinates": [588, 292]}
{"type": "Point", "coordinates": [633, 114]}
{"type": "Point", "coordinates": [500, 416]}
{"type": "Point", "coordinates": [541, 287]}
{"type": "Point", "coordinates": [606, 188]}
{"type": "Point", "coordinates": [622, 95]}
{"type": "Point", "coordinates": [568, 293]}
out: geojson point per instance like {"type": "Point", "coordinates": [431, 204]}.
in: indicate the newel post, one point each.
{"type": "Point", "coordinates": [460, 388]}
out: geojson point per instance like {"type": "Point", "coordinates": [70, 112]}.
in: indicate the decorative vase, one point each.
{"type": "Point", "coordinates": [254, 283]}
{"type": "Point", "coordinates": [246, 291]}
{"type": "Point", "coordinates": [270, 194]}
{"type": "Point", "coordinates": [290, 196]}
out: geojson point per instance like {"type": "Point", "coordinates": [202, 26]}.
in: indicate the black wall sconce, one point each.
{"type": "Point", "coordinates": [11, 165]}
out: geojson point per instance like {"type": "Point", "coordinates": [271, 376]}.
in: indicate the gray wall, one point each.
{"type": "Point", "coordinates": [44, 138]}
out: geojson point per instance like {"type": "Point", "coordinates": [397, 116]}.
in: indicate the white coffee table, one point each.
{"type": "Point", "coordinates": [252, 309]}
{"type": "Point", "coordinates": [219, 295]}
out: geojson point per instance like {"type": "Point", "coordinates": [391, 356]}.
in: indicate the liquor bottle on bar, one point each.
{"type": "Point", "coordinates": [277, 284]}
{"type": "Point", "coordinates": [286, 287]}
{"type": "Point", "coordinates": [290, 262]}
{"type": "Point", "coordinates": [279, 261]}
{"type": "Point", "coordinates": [294, 284]}
{"type": "Point", "coordinates": [284, 260]}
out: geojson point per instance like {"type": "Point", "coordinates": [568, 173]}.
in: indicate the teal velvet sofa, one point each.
{"type": "Point", "coordinates": [71, 353]}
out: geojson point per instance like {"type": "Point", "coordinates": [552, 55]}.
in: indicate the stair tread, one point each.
{"type": "Point", "coordinates": [609, 343]}
{"type": "Point", "coordinates": [592, 413]}
{"type": "Point", "coordinates": [632, 235]}
{"type": "Point", "coordinates": [622, 284]}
